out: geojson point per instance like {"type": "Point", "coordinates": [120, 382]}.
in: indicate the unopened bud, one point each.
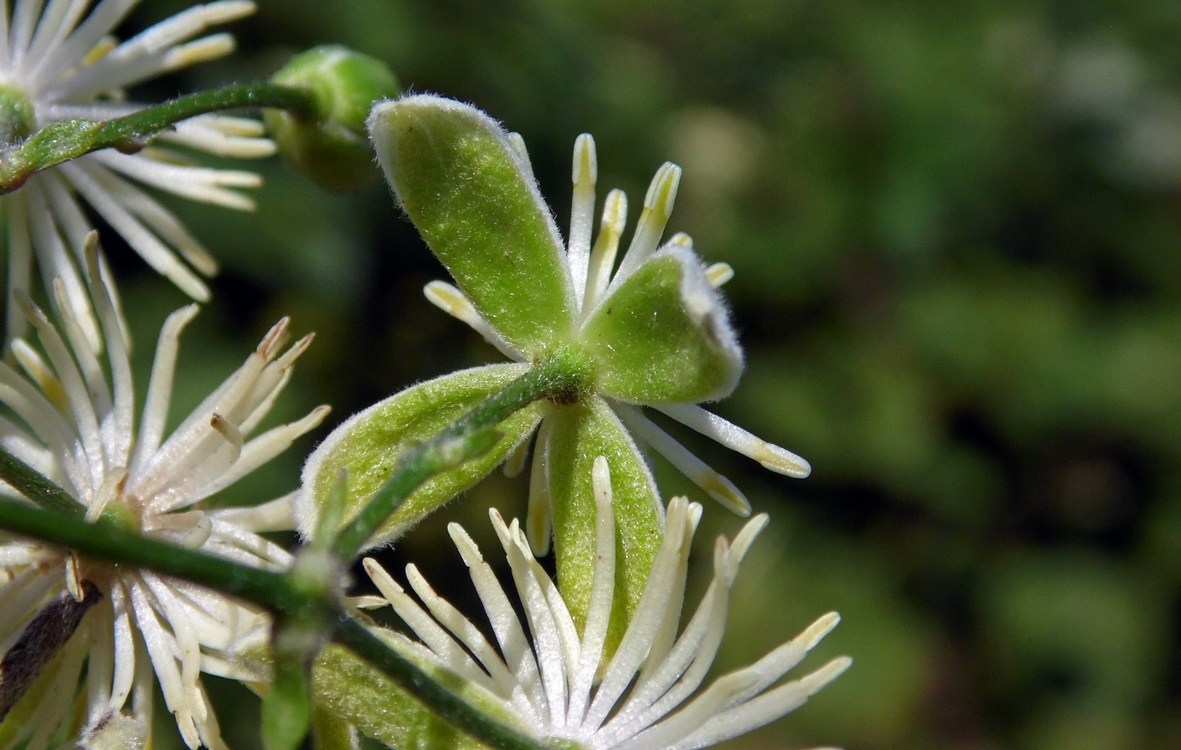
{"type": "Point", "coordinates": [331, 146]}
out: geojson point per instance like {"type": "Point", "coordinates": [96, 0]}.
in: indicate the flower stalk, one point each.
{"type": "Point", "coordinates": [34, 486]}
{"type": "Point", "coordinates": [563, 376]}
{"type": "Point", "coordinates": [280, 593]}
{"type": "Point", "coordinates": [61, 141]}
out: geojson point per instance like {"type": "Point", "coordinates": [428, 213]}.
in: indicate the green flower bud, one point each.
{"type": "Point", "coordinates": [333, 146]}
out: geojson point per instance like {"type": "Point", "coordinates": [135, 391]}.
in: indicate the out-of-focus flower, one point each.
{"type": "Point", "coordinates": [72, 419]}
{"type": "Point", "coordinates": [557, 679]}
{"type": "Point", "coordinates": [58, 61]}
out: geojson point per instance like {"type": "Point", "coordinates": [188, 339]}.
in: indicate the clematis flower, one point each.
{"type": "Point", "coordinates": [58, 61]}
{"type": "Point", "coordinates": [556, 679]}
{"type": "Point", "coordinates": [71, 419]}
{"type": "Point", "coordinates": [656, 333]}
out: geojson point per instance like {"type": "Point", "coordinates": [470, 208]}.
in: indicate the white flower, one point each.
{"type": "Point", "coordinates": [557, 680]}
{"type": "Point", "coordinates": [58, 62]}
{"type": "Point", "coordinates": [68, 421]}
{"type": "Point", "coordinates": [590, 287]}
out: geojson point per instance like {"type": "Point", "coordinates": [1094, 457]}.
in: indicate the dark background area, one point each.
{"type": "Point", "coordinates": [956, 230]}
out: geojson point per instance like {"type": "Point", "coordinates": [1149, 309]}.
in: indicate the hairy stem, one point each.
{"type": "Point", "coordinates": [61, 141]}
{"type": "Point", "coordinates": [563, 376]}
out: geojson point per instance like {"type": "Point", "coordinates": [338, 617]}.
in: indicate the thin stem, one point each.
{"type": "Point", "coordinates": [102, 541]}
{"type": "Point", "coordinates": [33, 485]}
{"type": "Point", "coordinates": [277, 592]}
{"type": "Point", "coordinates": [61, 141]}
{"type": "Point", "coordinates": [562, 376]}
{"type": "Point", "coordinates": [415, 681]}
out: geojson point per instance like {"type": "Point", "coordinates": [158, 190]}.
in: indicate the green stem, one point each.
{"type": "Point", "coordinates": [418, 683]}
{"type": "Point", "coordinates": [280, 593]}
{"type": "Point", "coordinates": [33, 485]}
{"type": "Point", "coordinates": [61, 141]}
{"type": "Point", "coordinates": [101, 541]}
{"type": "Point", "coordinates": [562, 376]}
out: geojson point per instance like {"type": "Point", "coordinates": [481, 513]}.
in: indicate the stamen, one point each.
{"type": "Point", "coordinates": [539, 517]}
{"type": "Point", "coordinates": [658, 206]}
{"type": "Point", "coordinates": [602, 258]}
{"type": "Point", "coordinates": [30, 361]}
{"type": "Point", "coordinates": [111, 488]}
{"type": "Point", "coordinates": [598, 615]}
{"type": "Point", "coordinates": [582, 209]}
{"type": "Point", "coordinates": [515, 463]}
{"type": "Point", "coordinates": [777, 459]}
{"type": "Point", "coordinates": [228, 430]}
{"type": "Point", "coordinates": [453, 302]}
{"type": "Point", "coordinates": [718, 274]}
{"type": "Point", "coordinates": [716, 485]}
{"type": "Point", "coordinates": [522, 154]}
{"type": "Point", "coordinates": [208, 134]}
{"type": "Point", "coordinates": [74, 578]}
{"type": "Point", "coordinates": [201, 50]}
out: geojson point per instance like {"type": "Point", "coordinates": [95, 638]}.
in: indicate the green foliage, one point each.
{"type": "Point", "coordinates": [572, 439]}
{"type": "Point", "coordinates": [348, 687]}
{"type": "Point", "coordinates": [664, 335]}
{"type": "Point", "coordinates": [956, 241]}
{"type": "Point", "coordinates": [366, 449]}
{"type": "Point", "coordinates": [471, 195]}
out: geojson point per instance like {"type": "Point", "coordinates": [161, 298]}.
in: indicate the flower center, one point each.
{"type": "Point", "coordinates": [17, 119]}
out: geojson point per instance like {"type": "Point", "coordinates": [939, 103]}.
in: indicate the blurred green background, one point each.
{"type": "Point", "coordinates": [956, 229]}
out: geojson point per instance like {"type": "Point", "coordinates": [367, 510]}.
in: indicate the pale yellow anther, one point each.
{"type": "Point", "coordinates": [448, 299]}
{"type": "Point", "coordinates": [239, 126]}
{"type": "Point", "coordinates": [202, 50]}
{"type": "Point", "coordinates": [518, 144]}
{"type": "Point", "coordinates": [817, 630]}
{"type": "Point", "coordinates": [723, 490]}
{"type": "Point", "coordinates": [295, 351]}
{"type": "Point", "coordinates": [586, 166]}
{"type": "Point", "coordinates": [274, 340]}
{"type": "Point", "coordinates": [681, 239]}
{"type": "Point", "coordinates": [105, 45]}
{"type": "Point", "coordinates": [718, 274]}
{"type": "Point", "coordinates": [780, 460]}
{"type": "Point", "coordinates": [37, 371]}
{"type": "Point", "coordinates": [662, 193]}
{"type": "Point", "coordinates": [227, 10]}
{"type": "Point", "coordinates": [606, 247]}
{"type": "Point", "coordinates": [515, 463]}
{"type": "Point", "coordinates": [814, 681]}
{"type": "Point", "coordinates": [74, 578]}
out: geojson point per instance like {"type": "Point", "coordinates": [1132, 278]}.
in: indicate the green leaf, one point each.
{"type": "Point", "coordinates": [368, 445]}
{"type": "Point", "coordinates": [664, 335]}
{"type": "Point", "coordinates": [350, 688]}
{"type": "Point", "coordinates": [475, 202]}
{"type": "Point", "coordinates": [574, 435]}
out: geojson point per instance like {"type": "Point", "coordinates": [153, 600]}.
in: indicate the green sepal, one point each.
{"type": "Point", "coordinates": [331, 732]}
{"type": "Point", "coordinates": [664, 336]}
{"type": "Point", "coordinates": [287, 706]}
{"type": "Point", "coordinates": [475, 202]}
{"type": "Point", "coordinates": [349, 688]}
{"type": "Point", "coordinates": [367, 446]}
{"type": "Point", "coordinates": [331, 147]}
{"type": "Point", "coordinates": [574, 435]}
